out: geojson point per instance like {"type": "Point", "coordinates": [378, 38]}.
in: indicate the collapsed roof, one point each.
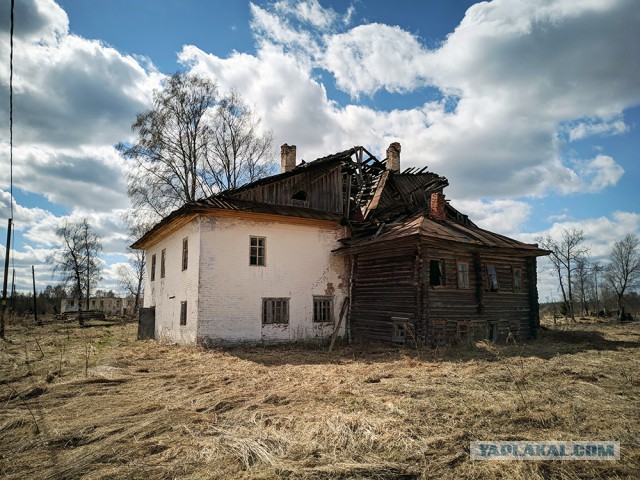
{"type": "Point", "coordinates": [372, 197]}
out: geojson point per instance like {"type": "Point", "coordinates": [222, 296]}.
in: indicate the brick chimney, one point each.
{"type": "Point", "coordinates": [393, 157]}
{"type": "Point", "coordinates": [287, 158]}
{"type": "Point", "coordinates": [437, 207]}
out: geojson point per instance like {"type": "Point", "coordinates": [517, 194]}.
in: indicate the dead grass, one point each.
{"type": "Point", "coordinates": [95, 404]}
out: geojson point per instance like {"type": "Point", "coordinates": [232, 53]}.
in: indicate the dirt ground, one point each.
{"type": "Point", "coordinates": [94, 403]}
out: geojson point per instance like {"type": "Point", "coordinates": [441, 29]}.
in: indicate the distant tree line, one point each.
{"type": "Point", "coordinates": [47, 301]}
{"type": "Point", "coordinates": [589, 287]}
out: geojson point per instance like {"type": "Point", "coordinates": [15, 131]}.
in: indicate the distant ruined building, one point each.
{"type": "Point", "coordinates": [110, 306]}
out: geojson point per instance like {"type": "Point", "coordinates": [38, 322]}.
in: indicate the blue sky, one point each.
{"type": "Point", "coordinates": [532, 117]}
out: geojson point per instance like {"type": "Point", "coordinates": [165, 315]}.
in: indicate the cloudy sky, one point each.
{"type": "Point", "coordinates": [531, 108]}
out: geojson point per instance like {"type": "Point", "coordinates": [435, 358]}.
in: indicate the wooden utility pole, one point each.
{"type": "Point", "coordinates": [35, 302]}
{"type": "Point", "coordinates": [3, 306]}
{"type": "Point", "coordinates": [12, 302]}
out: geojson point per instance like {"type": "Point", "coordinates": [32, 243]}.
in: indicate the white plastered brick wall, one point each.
{"type": "Point", "coordinates": [166, 294]}
{"type": "Point", "coordinates": [299, 265]}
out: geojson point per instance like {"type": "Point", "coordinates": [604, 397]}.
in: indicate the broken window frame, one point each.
{"type": "Point", "coordinates": [322, 309]}
{"type": "Point", "coordinates": [183, 313]}
{"type": "Point", "coordinates": [257, 251]}
{"type": "Point", "coordinates": [185, 253]}
{"type": "Point", "coordinates": [462, 269]}
{"type": "Point", "coordinates": [153, 267]}
{"type": "Point", "coordinates": [492, 278]}
{"type": "Point", "coordinates": [275, 311]}
{"type": "Point", "coordinates": [163, 263]}
{"type": "Point", "coordinates": [517, 279]}
{"type": "Point", "coordinates": [441, 275]}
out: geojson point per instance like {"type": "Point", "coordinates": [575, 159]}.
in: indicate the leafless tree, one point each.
{"type": "Point", "coordinates": [582, 282]}
{"type": "Point", "coordinates": [131, 276]}
{"type": "Point", "coordinates": [190, 145]}
{"type": "Point", "coordinates": [596, 270]}
{"type": "Point", "coordinates": [240, 153]}
{"type": "Point", "coordinates": [75, 258]}
{"type": "Point", "coordinates": [623, 272]}
{"type": "Point", "coordinates": [564, 253]}
{"type": "Point", "coordinates": [92, 245]}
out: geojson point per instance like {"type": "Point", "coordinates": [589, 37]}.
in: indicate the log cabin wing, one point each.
{"type": "Point", "coordinates": [434, 277]}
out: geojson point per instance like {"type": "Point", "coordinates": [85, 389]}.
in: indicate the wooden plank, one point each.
{"type": "Point", "coordinates": [343, 310]}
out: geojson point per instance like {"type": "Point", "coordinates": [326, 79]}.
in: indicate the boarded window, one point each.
{"type": "Point", "coordinates": [153, 267]}
{"type": "Point", "coordinates": [183, 313]}
{"type": "Point", "coordinates": [517, 279]}
{"type": "Point", "coordinates": [163, 260]}
{"type": "Point", "coordinates": [275, 310]}
{"type": "Point", "coordinates": [463, 275]}
{"type": "Point", "coordinates": [257, 251]}
{"type": "Point", "coordinates": [322, 309]}
{"type": "Point", "coordinates": [185, 254]}
{"type": "Point", "coordinates": [492, 278]}
{"type": "Point", "coordinates": [436, 273]}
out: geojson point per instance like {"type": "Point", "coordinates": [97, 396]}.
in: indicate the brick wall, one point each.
{"type": "Point", "coordinates": [299, 265]}
{"type": "Point", "coordinates": [166, 294]}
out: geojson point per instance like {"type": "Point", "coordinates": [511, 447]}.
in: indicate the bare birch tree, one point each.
{"type": "Point", "coordinates": [239, 153]}
{"type": "Point", "coordinates": [76, 260]}
{"type": "Point", "coordinates": [92, 245]}
{"type": "Point", "coordinates": [190, 145]}
{"type": "Point", "coordinates": [583, 282]}
{"type": "Point", "coordinates": [623, 271]}
{"type": "Point", "coordinates": [563, 258]}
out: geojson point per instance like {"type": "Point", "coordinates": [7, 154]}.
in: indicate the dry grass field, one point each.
{"type": "Point", "coordinates": [93, 403]}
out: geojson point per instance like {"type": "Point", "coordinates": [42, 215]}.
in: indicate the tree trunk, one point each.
{"type": "Point", "coordinates": [564, 295]}
{"type": "Point", "coordinates": [80, 319]}
{"type": "Point", "coordinates": [573, 317]}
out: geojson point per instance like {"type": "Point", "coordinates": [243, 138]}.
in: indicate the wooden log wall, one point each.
{"type": "Point", "coordinates": [323, 189]}
{"type": "Point", "coordinates": [384, 286]}
{"type": "Point", "coordinates": [455, 313]}
{"type": "Point", "coordinates": [393, 281]}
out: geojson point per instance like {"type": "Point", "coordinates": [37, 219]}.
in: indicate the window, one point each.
{"type": "Point", "coordinates": [399, 334]}
{"type": "Point", "coordinates": [185, 254]}
{"type": "Point", "coordinates": [275, 310]}
{"type": "Point", "coordinates": [300, 195]}
{"type": "Point", "coordinates": [436, 273]}
{"type": "Point", "coordinates": [492, 278]}
{"type": "Point", "coordinates": [183, 313]}
{"type": "Point", "coordinates": [163, 260]}
{"type": "Point", "coordinates": [257, 250]}
{"type": "Point", "coordinates": [322, 309]}
{"type": "Point", "coordinates": [517, 279]}
{"type": "Point", "coordinates": [71, 303]}
{"type": "Point", "coordinates": [463, 275]}
{"type": "Point", "coordinates": [153, 267]}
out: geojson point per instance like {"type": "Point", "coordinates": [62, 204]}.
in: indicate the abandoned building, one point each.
{"type": "Point", "coordinates": [110, 306]}
{"type": "Point", "coordinates": [344, 242]}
